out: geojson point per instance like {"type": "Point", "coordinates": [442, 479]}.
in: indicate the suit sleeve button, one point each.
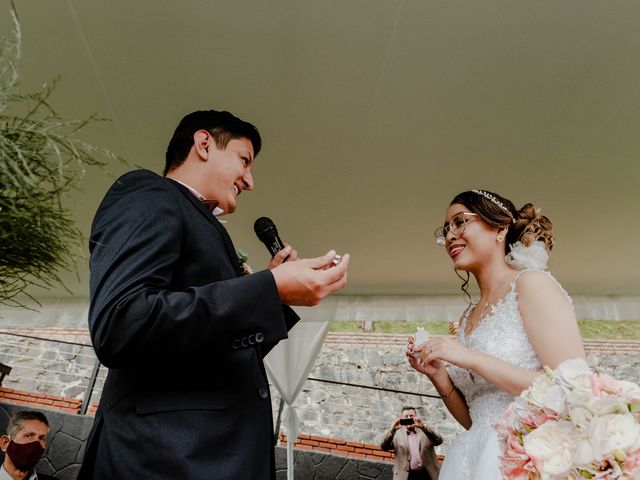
{"type": "Point", "coordinates": [252, 339]}
{"type": "Point", "coordinates": [259, 337]}
{"type": "Point", "coordinates": [244, 342]}
{"type": "Point", "coordinates": [236, 344]}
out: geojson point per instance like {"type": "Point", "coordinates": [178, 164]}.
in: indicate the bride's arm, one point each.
{"type": "Point", "coordinates": [550, 325]}
{"type": "Point", "coordinates": [451, 396]}
{"type": "Point", "coordinates": [548, 319]}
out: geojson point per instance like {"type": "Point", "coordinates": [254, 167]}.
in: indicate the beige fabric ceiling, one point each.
{"type": "Point", "coordinates": [374, 113]}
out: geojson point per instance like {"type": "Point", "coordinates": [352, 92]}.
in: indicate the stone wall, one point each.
{"type": "Point", "coordinates": [335, 411]}
{"type": "Point", "coordinates": [61, 366]}
{"type": "Point", "coordinates": [321, 466]}
{"type": "Point", "coordinates": [362, 415]}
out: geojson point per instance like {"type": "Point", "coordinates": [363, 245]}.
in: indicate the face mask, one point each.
{"type": "Point", "coordinates": [25, 456]}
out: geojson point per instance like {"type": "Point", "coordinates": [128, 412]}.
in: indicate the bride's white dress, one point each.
{"type": "Point", "coordinates": [475, 453]}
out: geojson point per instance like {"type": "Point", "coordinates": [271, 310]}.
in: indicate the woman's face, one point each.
{"type": "Point", "coordinates": [470, 242]}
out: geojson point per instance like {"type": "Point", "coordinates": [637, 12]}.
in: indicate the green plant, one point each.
{"type": "Point", "coordinates": [41, 161]}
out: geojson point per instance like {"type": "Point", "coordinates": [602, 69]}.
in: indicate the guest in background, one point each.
{"type": "Point", "coordinates": [413, 442]}
{"type": "Point", "coordinates": [23, 446]}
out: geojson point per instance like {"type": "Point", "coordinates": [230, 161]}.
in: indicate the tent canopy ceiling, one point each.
{"type": "Point", "coordinates": [374, 113]}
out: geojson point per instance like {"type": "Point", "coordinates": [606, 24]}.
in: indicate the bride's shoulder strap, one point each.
{"type": "Point", "coordinates": [546, 274]}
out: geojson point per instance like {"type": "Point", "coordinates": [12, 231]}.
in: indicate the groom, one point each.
{"type": "Point", "coordinates": [182, 331]}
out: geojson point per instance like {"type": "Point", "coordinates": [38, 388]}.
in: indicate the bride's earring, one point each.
{"type": "Point", "coordinates": [500, 238]}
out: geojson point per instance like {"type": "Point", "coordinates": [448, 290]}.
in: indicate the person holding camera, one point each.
{"type": "Point", "coordinates": [412, 442]}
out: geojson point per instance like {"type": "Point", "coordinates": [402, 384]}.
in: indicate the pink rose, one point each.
{"type": "Point", "coordinates": [515, 463]}
{"type": "Point", "coordinates": [632, 462]}
{"type": "Point", "coordinates": [604, 386]}
{"type": "Point", "coordinates": [537, 417]}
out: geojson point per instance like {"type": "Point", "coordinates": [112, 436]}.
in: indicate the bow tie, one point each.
{"type": "Point", "coordinates": [210, 204]}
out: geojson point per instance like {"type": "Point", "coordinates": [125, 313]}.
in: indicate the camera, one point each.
{"type": "Point", "coordinates": [406, 421]}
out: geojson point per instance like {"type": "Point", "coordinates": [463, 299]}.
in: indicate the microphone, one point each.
{"type": "Point", "coordinates": [268, 234]}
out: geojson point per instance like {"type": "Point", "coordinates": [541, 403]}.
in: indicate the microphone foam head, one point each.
{"type": "Point", "coordinates": [265, 228]}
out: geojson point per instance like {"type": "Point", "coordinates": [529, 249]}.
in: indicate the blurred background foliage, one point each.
{"type": "Point", "coordinates": [41, 160]}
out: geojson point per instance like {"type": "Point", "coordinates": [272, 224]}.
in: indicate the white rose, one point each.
{"type": "Point", "coordinates": [605, 405]}
{"type": "Point", "coordinates": [583, 453]}
{"type": "Point", "coordinates": [574, 372]}
{"type": "Point", "coordinates": [549, 447]}
{"type": "Point", "coordinates": [613, 432]}
{"type": "Point", "coordinates": [580, 416]}
{"type": "Point", "coordinates": [544, 393]}
{"type": "Point", "coordinates": [623, 431]}
{"type": "Point", "coordinates": [519, 407]}
{"type": "Point", "coordinates": [629, 391]}
{"type": "Point", "coordinates": [535, 393]}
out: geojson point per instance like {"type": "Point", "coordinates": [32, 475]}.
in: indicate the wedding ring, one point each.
{"type": "Point", "coordinates": [336, 260]}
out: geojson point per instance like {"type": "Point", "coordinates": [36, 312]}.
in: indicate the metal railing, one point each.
{"type": "Point", "coordinates": [53, 367]}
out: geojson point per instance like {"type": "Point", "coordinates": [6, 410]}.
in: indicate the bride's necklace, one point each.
{"type": "Point", "coordinates": [485, 305]}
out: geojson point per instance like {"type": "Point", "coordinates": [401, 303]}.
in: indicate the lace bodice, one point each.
{"type": "Point", "coordinates": [475, 453]}
{"type": "Point", "coordinates": [502, 335]}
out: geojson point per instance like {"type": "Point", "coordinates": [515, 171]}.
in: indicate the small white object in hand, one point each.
{"type": "Point", "coordinates": [420, 337]}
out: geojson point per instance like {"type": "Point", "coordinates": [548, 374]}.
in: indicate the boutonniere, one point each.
{"type": "Point", "coordinates": [243, 259]}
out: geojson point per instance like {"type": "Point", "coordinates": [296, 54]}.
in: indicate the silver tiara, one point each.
{"type": "Point", "coordinates": [495, 201]}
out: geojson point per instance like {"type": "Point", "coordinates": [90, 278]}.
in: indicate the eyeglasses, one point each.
{"type": "Point", "coordinates": [455, 226]}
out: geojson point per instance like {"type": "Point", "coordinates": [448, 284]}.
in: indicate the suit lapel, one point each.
{"type": "Point", "coordinates": [226, 239]}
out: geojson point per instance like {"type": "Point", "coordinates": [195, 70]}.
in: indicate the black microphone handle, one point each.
{"type": "Point", "coordinates": [274, 245]}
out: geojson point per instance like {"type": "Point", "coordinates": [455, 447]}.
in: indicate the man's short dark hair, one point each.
{"type": "Point", "coordinates": [223, 126]}
{"type": "Point", "coordinates": [404, 409]}
{"type": "Point", "coordinates": [16, 422]}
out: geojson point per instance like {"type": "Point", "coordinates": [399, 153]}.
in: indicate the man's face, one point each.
{"type": "Point", "coordinates": [32, 430]}
{"type": "Point", "coordinates": [409, 414]}
{"type": "Point", "coordinates": [228, 172]}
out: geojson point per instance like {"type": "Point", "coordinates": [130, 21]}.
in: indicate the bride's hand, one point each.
{"type": "Point", "coordinates": [431, 369]}
{"type": "Point", "coordinates": [439, 349]}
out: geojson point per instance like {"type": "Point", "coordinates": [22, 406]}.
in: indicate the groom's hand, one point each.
{"type": "Point", "coordinates": [288, 253]}
{"type": "Point", "coordinates": [307, 282]}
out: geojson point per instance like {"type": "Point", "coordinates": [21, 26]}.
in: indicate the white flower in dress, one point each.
{"type": "Point", "coordinates": [533, 257]}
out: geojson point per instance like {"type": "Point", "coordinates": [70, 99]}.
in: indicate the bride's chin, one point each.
{"type": "Point", "coordinates": [461, 265]}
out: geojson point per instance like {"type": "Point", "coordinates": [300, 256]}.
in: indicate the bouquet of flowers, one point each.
{"type": "Point", "coordinates": [572, 423]}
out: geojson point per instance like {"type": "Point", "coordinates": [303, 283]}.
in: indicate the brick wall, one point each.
{"type": "Point", "coordinates": [50, 402]}
{"type": "Point", "coordinates": [39, 400]}
{"type": "Point", "coordinates": [342, 447]}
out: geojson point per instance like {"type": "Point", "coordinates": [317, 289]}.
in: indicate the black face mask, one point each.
{"type": "Point", "coordinates": [25, 456]}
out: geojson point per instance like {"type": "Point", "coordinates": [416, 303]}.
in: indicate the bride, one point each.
{"type": "Point", "coordinates": [523, 321]}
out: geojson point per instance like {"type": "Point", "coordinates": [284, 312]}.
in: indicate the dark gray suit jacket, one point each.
{"type": "Point", "coordinates": [183, 335]}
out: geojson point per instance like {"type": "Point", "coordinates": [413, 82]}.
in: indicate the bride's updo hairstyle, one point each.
{"type": "Point", "coordinates": [525, 225]}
